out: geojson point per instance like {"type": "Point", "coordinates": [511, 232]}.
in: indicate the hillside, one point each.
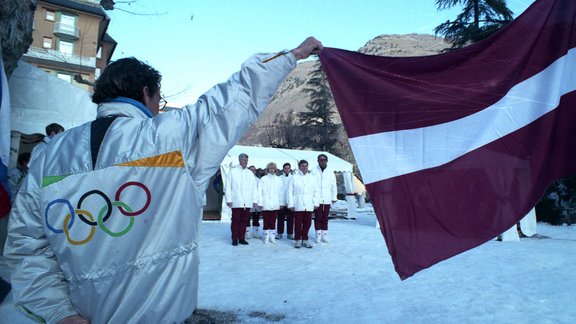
{"type": "Point", "coordinates": [290, 98]}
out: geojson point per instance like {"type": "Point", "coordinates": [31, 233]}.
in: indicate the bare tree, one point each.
{"type": "Point", "coordinates": [282, 132]}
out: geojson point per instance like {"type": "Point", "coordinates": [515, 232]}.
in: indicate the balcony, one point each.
{"type": "Point", "coordinates": [56, 56]}
{"type": "Point", "coordinates": [66, 31]}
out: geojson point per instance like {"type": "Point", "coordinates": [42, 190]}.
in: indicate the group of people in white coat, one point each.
{"type": "Point", "coordinates": [293, 196]}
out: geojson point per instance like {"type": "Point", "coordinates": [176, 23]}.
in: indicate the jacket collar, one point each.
{"type": "Point", "coordinates": [301, 173]}
{"type": "Point", "coordinates": [122, 108]}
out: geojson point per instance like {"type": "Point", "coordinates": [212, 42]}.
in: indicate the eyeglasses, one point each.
{"type": "Point", "coordinates": [162, 103]}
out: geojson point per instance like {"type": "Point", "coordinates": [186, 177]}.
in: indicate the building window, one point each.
{"type": "Point", "coordinates": [50, 15]}
{"type": "Point", "coordinates": [64, 77]}
{"type": "Point", "coordinates": [66, 48]}
{"type": "Point", "coordinates": [97, 73]}
{"type": "Point", "coordinates": [67, 20]}
{"type": "Point", "coordinates": [47, 42]}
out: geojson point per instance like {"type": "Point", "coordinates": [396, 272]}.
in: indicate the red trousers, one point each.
{"type": "Point", "coordinates": [240, 218]}
{"type": "Point", "coordinates": [269, 219]}
{"type": "Point", "coordinates": [321, 217]}
{"type": "Point", "coordinates": [285, 214]}
{"type": "Point", "coordinates": [255, 218]}
{"type": "Point", "coordinates": [302, 223]}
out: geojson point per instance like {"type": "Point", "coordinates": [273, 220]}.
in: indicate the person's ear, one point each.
{"type": "Point", "coordinates": [145, 93]}
{"type": "Point", "coordinates": [147, 98]}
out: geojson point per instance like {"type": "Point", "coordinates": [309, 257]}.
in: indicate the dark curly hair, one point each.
{"type": "Point", "coordinates": [126, 78]}
{"type": "Point", "coordinates": [54, 128]}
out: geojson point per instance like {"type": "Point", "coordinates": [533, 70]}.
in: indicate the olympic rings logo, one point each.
{"type": "Point", "coordinates": [103, 214]}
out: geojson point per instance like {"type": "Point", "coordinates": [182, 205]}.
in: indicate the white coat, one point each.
{"type": "Point", "coordinates": [38, 149]}
{"type": "Point", "coordinates": [115, 239]}
{"type": "Point", "coordinates": [240, 188]}
{"type": "Point", "coordinates": [303, 192]}
{"type": "Point", "coordinates": [270, 191]}
{"type": "Point", "coordinates": [327, 183]}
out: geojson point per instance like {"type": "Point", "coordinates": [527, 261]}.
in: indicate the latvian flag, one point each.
{"type": "Point", "coordinates": [4, 141]}
{"type": "Point", "coordinates": [456, 148]}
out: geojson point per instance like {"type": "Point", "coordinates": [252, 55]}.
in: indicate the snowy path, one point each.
{"type": "Point", "coordinates": [351, 280]}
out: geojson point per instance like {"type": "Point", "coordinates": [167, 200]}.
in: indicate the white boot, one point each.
{"type": "Point", "coordinates": [256, 231]}
{"type": "Point", "coordinates": [272, 235]}
{"type": "Point", "coordinates": [318, 236]}
{"type": "Point", "coordinates": [248, 232]}
{"type": "Point", "coordinates": [266, 236]}
{"type": "Point", "coordinates": [325, 237]}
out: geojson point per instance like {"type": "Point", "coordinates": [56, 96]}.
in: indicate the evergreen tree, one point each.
{"type": "Point", "coordinates": [478, 20]}
{"type": "Point", "coordinates": [318, 128]}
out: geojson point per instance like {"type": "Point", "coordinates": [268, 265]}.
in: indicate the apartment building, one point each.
{"type": "Point", "coordinates": [70, 40]}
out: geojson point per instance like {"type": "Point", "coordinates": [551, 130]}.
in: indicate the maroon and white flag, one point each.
{"type": "Point", "coordinates": [456, 148]}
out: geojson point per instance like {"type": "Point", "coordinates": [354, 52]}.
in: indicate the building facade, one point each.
{"type": "Point", "coordinates": [70, 40]}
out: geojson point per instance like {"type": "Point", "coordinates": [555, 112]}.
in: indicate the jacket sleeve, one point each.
{"type": "Point", "coordinates": [255, 189]}
{"type": "Point", "coordinates": [228, 186]}
{"type": "Point", "coordinates": [39, 287]}
{"type": "Point", "coordinates": [223, 114]}
{"type": "Point", "coordinates": [260, 194]}
{"type": "Point", "coordinates": [282, 193]}
{"type": "Point", "coordinates": [290, 193]}
{"type": "Point", "coordinates": [317, 196]}
{"type": "Point", "coordinates": [14, 177]}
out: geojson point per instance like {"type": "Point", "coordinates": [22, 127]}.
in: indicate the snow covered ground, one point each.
{"type": "Point", "coordinates": [352, 280]}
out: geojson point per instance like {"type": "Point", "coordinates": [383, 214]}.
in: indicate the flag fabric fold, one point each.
{"type": "Point", "coordinates": [456, 148]}
{"type": "Point", "coordinates": [4, 141]}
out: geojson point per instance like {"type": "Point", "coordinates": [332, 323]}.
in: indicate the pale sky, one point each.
{"type": "Point", "coordinates": [196, 44]}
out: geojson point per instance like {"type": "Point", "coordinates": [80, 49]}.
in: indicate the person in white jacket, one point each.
{"type": "Point", "coordinates": [51, 131]}
{"type": "Point", "coordinates": [285, 214]}
{"type": "Point", "coordinates": [253, 225]}
{"type": "Point", "coordinates": [328, 195]}
{"type": "Point", "coordinates": [303, 197]}
{"type": "Point", "coordinates": [270, 193]}
{"type": "Point", "coordinates": [105, 226]}
{"type": "Point", "coordinates": [241, 195]}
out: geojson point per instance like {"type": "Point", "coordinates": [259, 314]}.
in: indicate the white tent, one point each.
{"type": "Point", "coordinates": [38, 99]}
{"type": "Point", "coordinates": [261, 156]}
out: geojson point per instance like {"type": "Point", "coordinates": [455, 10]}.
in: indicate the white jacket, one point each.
{"type": "Point", "coordinates": [327, 184]}
{"type": "Point", "coordinates": [117, 241]}
{"type": "Point", "coordinates": [38, 149]}
{"type": "Point", "coordinates": [240, 188]}
{"type": "Point", "coordinates": [285, 181]}
{"type": "Point", "coordinates": [270, 192]}
{"type": "Point", "coordinates": [303, 192]}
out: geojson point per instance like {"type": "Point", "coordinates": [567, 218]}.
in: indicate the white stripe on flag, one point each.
{"type": "Point", "coordinates": [389, 154]}
{"type": "Point", "coordinates": [4, 117]}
